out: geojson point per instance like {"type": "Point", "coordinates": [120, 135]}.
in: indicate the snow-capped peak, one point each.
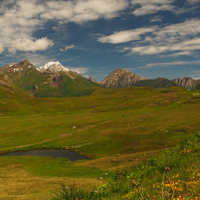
{"type": "Point", "coordinates": [53, 67]}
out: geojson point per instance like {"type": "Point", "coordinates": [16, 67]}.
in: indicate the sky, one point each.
{"type": "Point", "coordinates": [152, 38]}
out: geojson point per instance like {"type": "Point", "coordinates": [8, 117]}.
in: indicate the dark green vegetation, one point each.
{"type": "Point", "coordinates": [25, 76]}
{"type": "Point", "coordinates": [156, 83]}
{"type": "Point", "coordinates": [132, 122]}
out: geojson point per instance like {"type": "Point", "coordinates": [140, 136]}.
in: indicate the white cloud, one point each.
{"type": "Point", "coordinates": [193, 1]}
{"type": "Point", "coordinates": [143, 2]}
{"type": "Point", "coordinates": [80, 11]}
{"type": "Point", "coordinates": [181, 53]}
{"type": "Point", "coordinates": [151, 8]}
{"type": "Point", "coordinates": [125, 36]}
{"type": "Point", "coordinates": [187, 28]}
{"type": "Point", "coordinates": [184, 47]}
{"type": "Point", "coordinates": [171, 64]}
{"type": "Point", "coordinates": [21, 18]}
{"type": "Point", "coordinates": [147, 50]}
{"type": "Point", "coordinates": [82, 70]}
{"type": "Point", "coordinates": [69, 47]}
{"type": "Point", "coordinates": [29, 45]}
{"type": "Point", "coordinates": [156, 19]}
{"type": "Point", "coordinates": [1, 47]}
{"type": "Point", "coordinates": [177, 39]}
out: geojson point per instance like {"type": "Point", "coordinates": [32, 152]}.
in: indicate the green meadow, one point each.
{"type": "Point", "coordinates": [117, 128]}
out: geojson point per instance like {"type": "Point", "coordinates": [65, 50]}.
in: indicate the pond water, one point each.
{"type": "Point", "coordinates": [71, 155]}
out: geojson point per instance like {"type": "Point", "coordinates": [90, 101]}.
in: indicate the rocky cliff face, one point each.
{"type": "Point", "coordinates": [121, 78]}
{"type": "Point", "coordinates": [92, 79]}
{"type": "Point", "coordinates": [187, 82]}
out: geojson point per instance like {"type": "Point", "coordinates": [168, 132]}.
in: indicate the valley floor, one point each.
{"type": "Point", "coordinates": [132, 122]}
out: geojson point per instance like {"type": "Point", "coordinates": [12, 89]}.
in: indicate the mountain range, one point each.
{"type": "Point", "coordinates": [54, 80]}
{"type": "Point", "coordinates": [187, 82]}
{"type": "Point", "coordinates": [50, 80]}
{"type": "Point", "coordinates": [123, 78]}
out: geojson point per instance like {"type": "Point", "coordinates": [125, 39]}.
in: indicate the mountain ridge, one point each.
{"type": "Point", "coordinates": [187, 82]}
{"type": "Point", "coordinates": [121, 78]}
{"type": "Point", "coordinates": [54, 82]}
{"type": "Point", "coordinates": [52, 67]}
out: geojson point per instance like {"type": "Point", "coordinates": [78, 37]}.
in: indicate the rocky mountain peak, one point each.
{"type": "Point", "coordinates": [53, 67]}
{"type": "Point", "coordinates": [16, 67]}
{"type": "Point", "coordinates": [186, 82]}
{"type": "Point", "coordinates": [121, 78]}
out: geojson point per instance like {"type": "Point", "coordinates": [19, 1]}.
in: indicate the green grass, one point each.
{"type": "Point", "coordinates": [172, 174]}
{"type": "Point", "coordinates": [129, 121]}
{"type": "Point", "coordinates": [71, 87]}
{"type": "Point", "coordinates": [54, 167]}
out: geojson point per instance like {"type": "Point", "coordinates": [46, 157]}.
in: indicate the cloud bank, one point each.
{"type": "Point", "coordinates": [1, 47]}
{"type": "Point", "coordinates": [178, 39]}
{"type": "Point", "coordinates": [29, 45]}
{"type": "Point", "coordinates": [21, 18]}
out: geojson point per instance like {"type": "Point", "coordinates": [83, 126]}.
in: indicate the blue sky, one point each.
{"type": "Point", "coordinates": [152, 38]}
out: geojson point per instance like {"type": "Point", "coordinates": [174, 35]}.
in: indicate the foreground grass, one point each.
{"type": "Point", "coordinates": [132, 122]}
{"type": "Point", "coordinates": [173, 174]}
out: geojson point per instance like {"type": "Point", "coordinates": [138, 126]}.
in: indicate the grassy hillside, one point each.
{"type": "Point", "coordinates": [156, 83]}
{"type": "Point", "coordinates": [171, 174]}
{"type": "Point", "coordinates": [78, 86]}
{"type": "Point", "coordinates": [132, 122]}
{"type": "Point", "coordinates": [12, 98]}
{"type": "Point", "coordinates": [25, 76]}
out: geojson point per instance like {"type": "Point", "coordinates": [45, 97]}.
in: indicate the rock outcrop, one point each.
{"type": "Point", "coordinates": [121, 78]}
{"type": "Point", "coordinates": [187, 82]}
{"type": "Point", "coordinates": [92, 79]}
{"type": "Point", "coordinates": [57, 81]}
{"type": "Point", "coordinates": [17, 67]}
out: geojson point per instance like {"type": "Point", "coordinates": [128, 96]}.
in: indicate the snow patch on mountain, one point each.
{"type": "Point", "coordinates": [56, 67]}
{"type": "Point", "coordinates": [53, 67]}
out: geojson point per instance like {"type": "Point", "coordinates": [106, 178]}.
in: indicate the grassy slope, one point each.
{"type": "Point", "coordinates": [127, 121]}
{"type": "Point", "coordinates": [71, 87]}
{"type": "Point", "coordinates": [156, 83]}
{"type": "Point", "coordinates": [172, 174]}
{"type": "Point", "coordinates": [12, 98]}
{"type": "Point", "coordinates": [28, 77]}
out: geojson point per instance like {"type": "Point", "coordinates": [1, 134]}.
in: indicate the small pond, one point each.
{"type": "Point", "coordinates": [71, 155]}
